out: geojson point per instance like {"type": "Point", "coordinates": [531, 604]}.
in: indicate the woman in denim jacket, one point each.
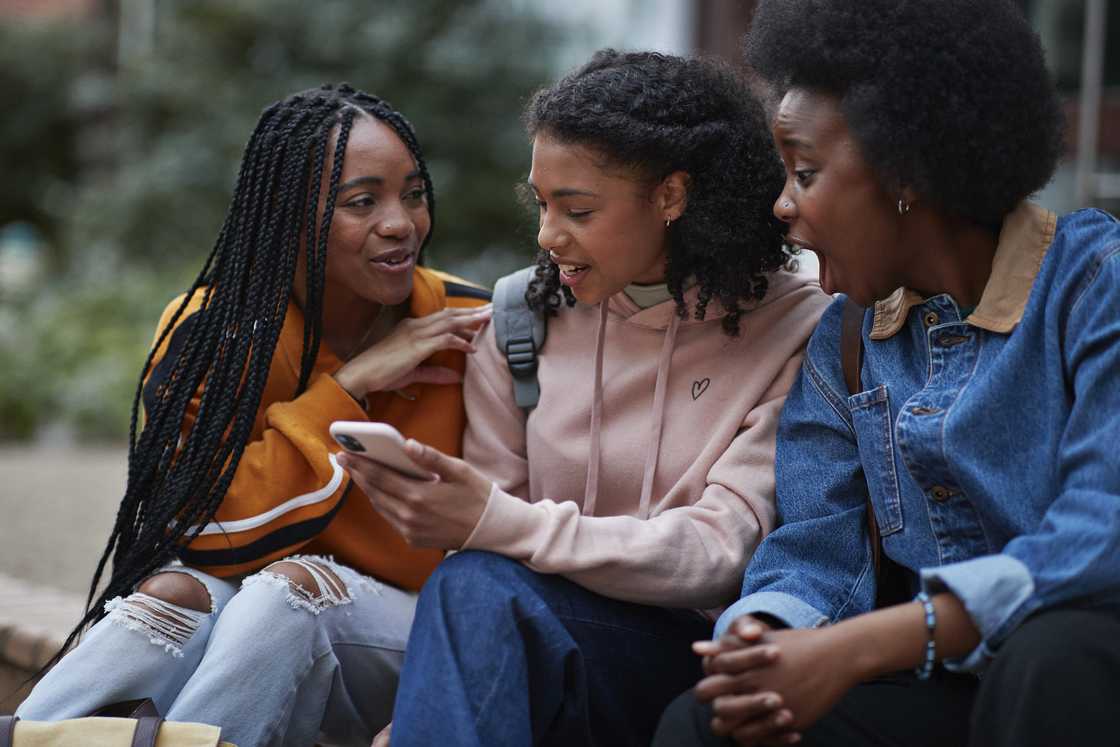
{"type": "Point", "coordinates": [986, 428]}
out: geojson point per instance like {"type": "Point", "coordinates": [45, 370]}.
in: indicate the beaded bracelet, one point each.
{"type": "Point", "coordinates": [924, 671]}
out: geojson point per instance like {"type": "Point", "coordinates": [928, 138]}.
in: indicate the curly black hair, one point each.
{"type": "Point", "coordinates": [656, 114]}
{"type": "Point", "coordinates": [950, 98]}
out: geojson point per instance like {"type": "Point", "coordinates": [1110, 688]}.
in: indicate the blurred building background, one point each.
{"type": "Point", "coordinates": [123, 126]}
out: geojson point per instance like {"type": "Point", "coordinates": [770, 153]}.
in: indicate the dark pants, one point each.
{"type": "Point", "coordinates": [501, 655]}
{"type": "Point", "coordinates": [1055, 682]}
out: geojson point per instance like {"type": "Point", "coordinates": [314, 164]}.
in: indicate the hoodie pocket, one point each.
{"type": "Point", "coordinates": [871, 418]}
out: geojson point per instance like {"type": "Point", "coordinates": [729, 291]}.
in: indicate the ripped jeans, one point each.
{"type": "Point", "coordinates": [272, 663]}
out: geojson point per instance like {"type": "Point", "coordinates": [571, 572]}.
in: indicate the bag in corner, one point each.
{"type": "Point", "coordinates": [102, 731]}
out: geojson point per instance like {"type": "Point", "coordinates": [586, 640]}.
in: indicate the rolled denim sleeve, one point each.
{"type": "Point", "coordinates": [816, 566]}
{"type": "Point", "coordinates": [992, 589]}
{"type": "Point", "coordinates": [787, 608]}
{"type": "Point", "coordinates": [1073, 556]}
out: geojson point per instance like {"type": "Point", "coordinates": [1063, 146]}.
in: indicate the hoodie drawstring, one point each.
{"type": "Point", "coordinates": [658, 415]}
{"type": "Point", "coordinates": [591, 489]}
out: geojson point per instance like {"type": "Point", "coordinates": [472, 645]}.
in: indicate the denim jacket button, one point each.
{"type": "Point", "coordinates": [939, 493]}
{"type": "Point", "coordinates": [931, 318]}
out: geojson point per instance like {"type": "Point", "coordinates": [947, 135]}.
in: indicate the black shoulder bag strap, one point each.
{"type": "Point", "coordinates": [519, 332]}
{"type": "Point", "coordinates": [851, 361]}
{"type": "Point", "coordinates": [891, 586]}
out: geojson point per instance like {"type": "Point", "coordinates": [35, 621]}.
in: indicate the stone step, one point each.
{"type": "Point", "coordinates": [34, 621]}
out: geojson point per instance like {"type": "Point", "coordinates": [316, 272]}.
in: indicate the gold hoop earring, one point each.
{"type": "Point", "coordinates": [668, 220]}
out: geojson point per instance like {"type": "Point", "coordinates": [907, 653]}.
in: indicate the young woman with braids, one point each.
{"type": "Point", "coordinates": [311, 308]}
{"type": "Point", "coordinates": [632, 495]}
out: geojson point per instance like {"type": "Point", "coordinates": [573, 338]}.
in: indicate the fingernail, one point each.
{"type": "Point", "coordinates": [783, 718]}
{"type": "Point", "coordinates": [772, 701]}
{"type": "Point", "coordinates": [752, 630]}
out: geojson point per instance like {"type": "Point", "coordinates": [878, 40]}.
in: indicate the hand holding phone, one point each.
{"type": "Point", "coordinates": [438, 508]}
{"type": "Point", "coordinates": [380, 442]}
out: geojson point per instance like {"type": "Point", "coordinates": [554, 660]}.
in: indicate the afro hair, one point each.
{"type": "Point", "coordinates": [950, 98]}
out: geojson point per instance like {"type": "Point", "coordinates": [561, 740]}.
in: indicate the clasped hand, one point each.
{"type": "Point", "coordinates": [439, 513]}
{"type": "Point", "coordinates": [766, 686]}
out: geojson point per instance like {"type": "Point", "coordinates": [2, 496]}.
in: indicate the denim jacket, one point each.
{"type": "Point", "coordinates": [990, 445]}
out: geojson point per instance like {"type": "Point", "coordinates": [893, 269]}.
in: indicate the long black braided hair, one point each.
{"type": "Point", "coordinates": [657, 114]}
{"type": "Point", "coordinates": [176, 480]}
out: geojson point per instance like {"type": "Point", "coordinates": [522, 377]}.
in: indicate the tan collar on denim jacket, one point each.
{"type": "Point", "coordinates": [1023, 240]}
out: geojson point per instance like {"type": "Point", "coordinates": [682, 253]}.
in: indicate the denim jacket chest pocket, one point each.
{"type": "Point", "coordinates": [871, 419]}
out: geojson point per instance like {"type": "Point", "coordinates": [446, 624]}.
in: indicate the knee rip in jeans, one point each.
{"type": "Point", "coordinates": [312, 583]}
{"type": "Point", "coordinates": [165, 608]}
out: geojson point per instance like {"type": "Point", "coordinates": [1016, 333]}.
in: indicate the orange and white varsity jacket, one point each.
{"type": "Point", "coordinates": [289, 495]}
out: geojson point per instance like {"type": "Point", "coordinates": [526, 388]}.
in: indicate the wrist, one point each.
{"type": "Point", "coordinates": [864, 660]}
{"type": "Point", "coordinates": [896, 638]}
{"type": "Point", "coordinates": [344, 380]}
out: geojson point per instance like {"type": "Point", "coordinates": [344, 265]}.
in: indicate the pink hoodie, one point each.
{"type": "Point", "coordinates": [646, 472]}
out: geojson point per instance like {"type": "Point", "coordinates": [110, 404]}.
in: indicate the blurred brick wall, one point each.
{"type": "Point", "coordinates": [720, 25]}
{"type": "Point", "coordinates": [47, 8]}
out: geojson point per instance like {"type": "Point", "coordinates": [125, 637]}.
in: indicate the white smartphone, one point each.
{"type": "Point", "coordinates": [380, 442]}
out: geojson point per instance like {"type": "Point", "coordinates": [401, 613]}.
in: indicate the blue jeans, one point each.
{"type": "Point", "coordinates": [270, 665]}
{"type": "Point", "coordinates": [502, 655]}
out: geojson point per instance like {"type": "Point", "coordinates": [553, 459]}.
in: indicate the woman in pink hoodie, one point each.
{"type": "Point", "coordinates": [631, 497]}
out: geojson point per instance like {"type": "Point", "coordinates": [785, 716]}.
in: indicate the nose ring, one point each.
{"type": "Point", "coordinates": [787, 205]}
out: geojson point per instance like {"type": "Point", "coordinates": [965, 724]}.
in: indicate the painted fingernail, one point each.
{"type": "Point", "coordinates": [783, 718]}
{"type": "Point", "coordinates": [752, 630]}
{"type": "Point", "coordinates": [772, 701]}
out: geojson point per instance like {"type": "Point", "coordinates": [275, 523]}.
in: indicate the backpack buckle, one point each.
{"type": "Point", "coordinates": [521, 354]}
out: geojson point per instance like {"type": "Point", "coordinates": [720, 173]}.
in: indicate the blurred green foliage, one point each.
{"type": "Point", "coordinates": [126, 166]}
{"type": "Point", "coordinates": [40, 65]}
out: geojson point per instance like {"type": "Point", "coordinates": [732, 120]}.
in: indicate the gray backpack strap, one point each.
{"type": "Point", "coordinates": [519, 332]}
